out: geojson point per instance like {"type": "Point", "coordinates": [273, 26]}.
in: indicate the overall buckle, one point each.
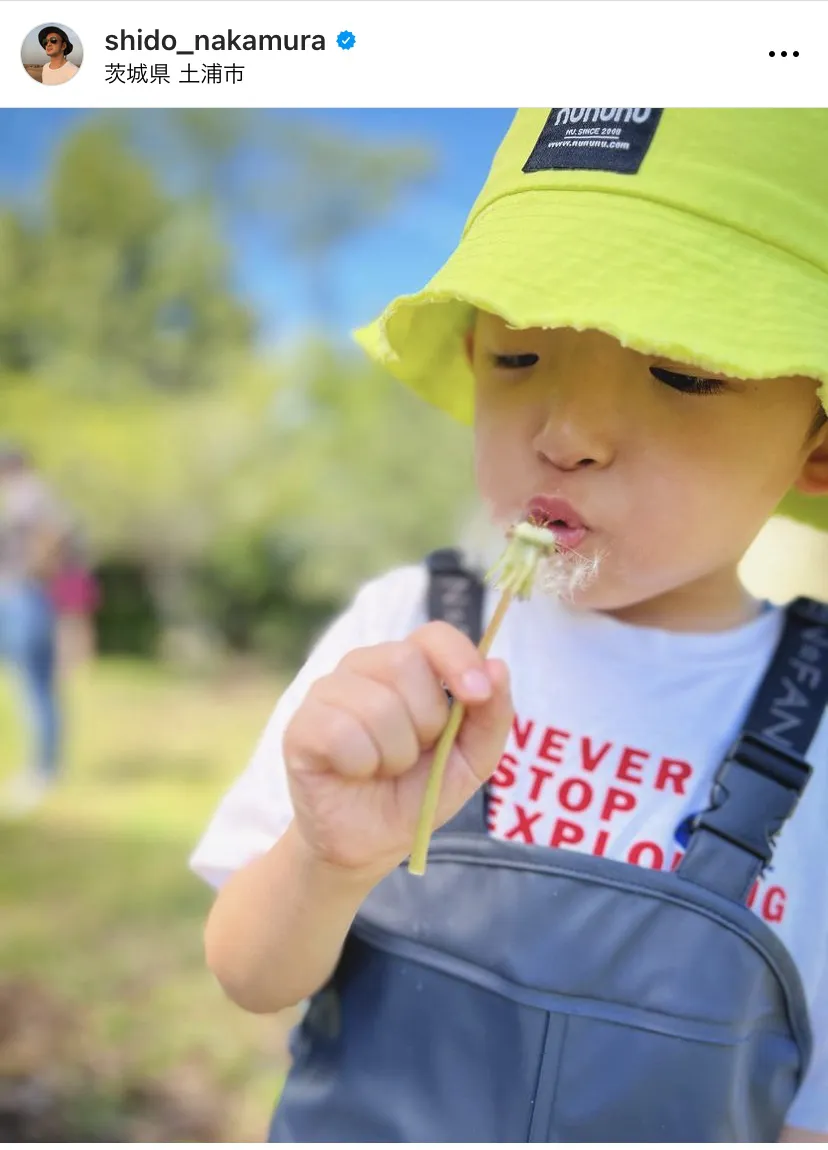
{"type": "Point", "coordinates": [754, 791]}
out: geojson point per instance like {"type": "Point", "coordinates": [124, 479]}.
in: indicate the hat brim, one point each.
{"type": "Point", "coordinates": [658, 279]}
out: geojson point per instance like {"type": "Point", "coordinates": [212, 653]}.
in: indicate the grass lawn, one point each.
{"type": "Point", "coordinates": [101, 919]}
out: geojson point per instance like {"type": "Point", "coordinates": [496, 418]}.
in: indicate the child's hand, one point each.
{"type": "Point", "coordinates": [358, 749]}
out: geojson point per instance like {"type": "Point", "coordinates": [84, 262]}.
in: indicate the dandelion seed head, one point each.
{"type": "Point", "coordinates": [533, 560]}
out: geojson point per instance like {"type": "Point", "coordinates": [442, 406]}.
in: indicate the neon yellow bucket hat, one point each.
{"type": "Point", "coordinates": [696, 234]}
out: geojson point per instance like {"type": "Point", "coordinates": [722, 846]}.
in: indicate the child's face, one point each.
{"type": "Point", "coordinates": [673, 478]}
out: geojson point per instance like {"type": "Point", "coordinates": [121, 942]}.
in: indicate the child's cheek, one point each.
{"type": "Point", "coordinates": [496, 483]}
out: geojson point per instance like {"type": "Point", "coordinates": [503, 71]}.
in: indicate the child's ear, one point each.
{"type": "Point", "coordinates": [813, 478]}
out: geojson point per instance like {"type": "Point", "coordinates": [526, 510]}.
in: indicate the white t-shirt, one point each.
{"type": "Point", "coordinates": [59, 75]}
{"type": "Point", "coordinates": [618, 732]}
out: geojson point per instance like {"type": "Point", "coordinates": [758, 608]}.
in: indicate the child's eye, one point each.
{"type": "Point", "coordinates": [513, 362]}
{"type": "Point", "coordinates": [694, 384]}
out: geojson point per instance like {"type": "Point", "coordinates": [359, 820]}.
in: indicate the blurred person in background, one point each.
{"type": "Point", "coordinates": [33, 528]}
{"type": "Point", "coordinates": [57, 46]}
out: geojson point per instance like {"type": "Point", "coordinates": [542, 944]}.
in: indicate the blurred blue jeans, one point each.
{"type": "Point", "coordinates": [27, 641]}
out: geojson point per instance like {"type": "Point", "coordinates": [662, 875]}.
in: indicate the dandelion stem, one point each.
{"type": "Point", "coordinates": [425, 823]}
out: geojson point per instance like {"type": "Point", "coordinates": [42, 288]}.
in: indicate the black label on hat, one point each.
{"type": "Point", "coordinates": [594, 139]}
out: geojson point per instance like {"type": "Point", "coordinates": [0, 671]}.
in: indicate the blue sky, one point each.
{"type": "Point", "coordinates": [398, 255]}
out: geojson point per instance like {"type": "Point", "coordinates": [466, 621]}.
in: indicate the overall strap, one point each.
{"type": "Point", "coordinates": [764, 773]}
{"type": "Point", "coordinates": [456, 595]}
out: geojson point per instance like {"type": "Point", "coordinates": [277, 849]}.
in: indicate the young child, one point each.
{"type": "Point", "coordinates": [635, 320]}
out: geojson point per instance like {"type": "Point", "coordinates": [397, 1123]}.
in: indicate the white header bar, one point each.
{"type": "Point", "coordinates": [420, 53]}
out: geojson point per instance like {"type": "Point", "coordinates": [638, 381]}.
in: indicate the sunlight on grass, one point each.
{"type": "Point", "coordinates": [99, 905]}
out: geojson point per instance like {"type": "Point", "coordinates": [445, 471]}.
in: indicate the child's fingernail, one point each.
{"type": "Point", "coordinates": [476, 685]}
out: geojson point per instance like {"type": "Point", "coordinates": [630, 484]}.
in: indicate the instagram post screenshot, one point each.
{"type": "Point", "coordinates": [413, 571]}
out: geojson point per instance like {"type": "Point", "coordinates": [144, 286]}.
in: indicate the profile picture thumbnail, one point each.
{"type": "Point", "coordinates": [52, 54]}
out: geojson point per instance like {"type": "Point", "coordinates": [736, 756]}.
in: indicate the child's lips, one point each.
{"type": "Point", "coordinates": [560, 517]}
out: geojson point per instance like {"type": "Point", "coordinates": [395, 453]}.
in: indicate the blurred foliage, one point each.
{"type": "Point", "coordinates": [247, 494]}
{"type": "Point", "coordinates": [119, 286]}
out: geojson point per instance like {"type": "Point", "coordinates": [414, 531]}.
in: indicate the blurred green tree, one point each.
{"type": "Point", "coordinates": [16, 275]}
{"type": "Point", "coordinates": [129, 287]}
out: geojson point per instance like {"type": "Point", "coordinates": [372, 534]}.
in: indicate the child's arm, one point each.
{"type": "Point", "coordinates": [357, 753]}
{"type": "Point", "coordinates": [277, 927]}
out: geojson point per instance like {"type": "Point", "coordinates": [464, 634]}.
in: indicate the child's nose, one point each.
{"type": "Point", "coordinates": [580, 426]}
